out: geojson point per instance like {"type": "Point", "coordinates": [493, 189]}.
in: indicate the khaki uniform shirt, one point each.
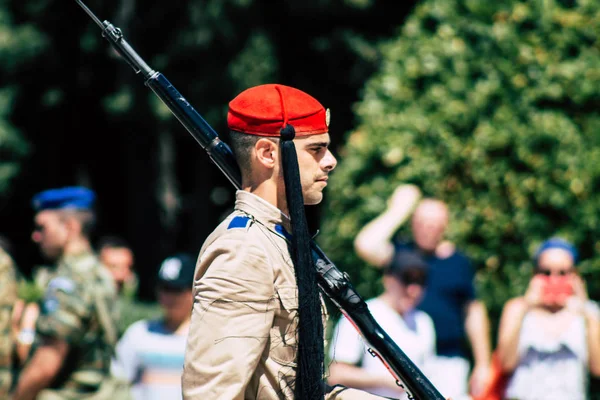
{"type": "Point", "coordinates": [8, 297]}
{"type": "Point", "coordinates": [242, 339]}
{"type": "Point", "coordinates": [70, 312]}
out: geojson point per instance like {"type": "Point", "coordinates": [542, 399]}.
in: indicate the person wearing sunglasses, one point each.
{"type": "Point", "coordinates": [395, 310]}
{"type": "Point", "coordinates": [549, 338]}
{"type": "Point", "coordinates": [74, 333]}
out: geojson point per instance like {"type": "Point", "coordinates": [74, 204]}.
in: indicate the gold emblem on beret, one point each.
{"type": "Point", "coordinates": [327, 117]}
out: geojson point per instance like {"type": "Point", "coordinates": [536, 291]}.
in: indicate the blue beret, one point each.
{"type": "Point", "coordinates": [557, 243]}
{"type": "Point", "coordinates": [76, 197]}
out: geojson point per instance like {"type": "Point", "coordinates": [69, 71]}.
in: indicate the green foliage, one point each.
{"type": "Point", "coordinates": [18, 44]}
{"type": "Point", "coordinates": [29, 291]}
{"type": "Point", "coordinates": [135, 310]}
{"type": "Point", "coordinates": [492, 107]}
{"type": "Point", "coordinates": [12, 145]}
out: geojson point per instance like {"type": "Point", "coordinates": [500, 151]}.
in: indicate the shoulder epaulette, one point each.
{"type": "Point", "coordinates": [239, 222]}
{"type": "Point", "coordinates": [282, 232]}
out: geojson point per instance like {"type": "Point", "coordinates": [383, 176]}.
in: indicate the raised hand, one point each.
{"type": "Point", "coordinates": [404, 197]}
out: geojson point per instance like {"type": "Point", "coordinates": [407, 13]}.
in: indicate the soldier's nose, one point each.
{"type": "Point", "coordinates": [329, 161]}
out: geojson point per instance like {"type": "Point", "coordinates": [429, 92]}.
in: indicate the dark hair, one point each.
{"type": "Point", "coordinates": [87, 219]}
{"type": "Point", "coordinates": [111, 242]}
{"type": "Point", "coordinates": [242, 143]}
{"type": "Point", "coordinates": [6, 244]}
{"type": "Point", "coordinates": [408, 267]}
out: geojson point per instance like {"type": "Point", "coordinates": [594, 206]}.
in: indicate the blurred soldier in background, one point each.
{"type": "Point", "coordinates": [76, 328]}
{"type": "Point", "coordinates": [116, 254]}
{"type": "Point", "coordinates": [8, 297]}
{"type": "Point", "coordinates": [16, 295]}
{"type": "Point", "coordinates": [150, 354]}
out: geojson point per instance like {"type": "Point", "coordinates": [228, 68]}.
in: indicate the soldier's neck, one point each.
{"type": "Point", "coordinates": [77, 246]}
{"type": "Point", "coordinates": [268, 191]}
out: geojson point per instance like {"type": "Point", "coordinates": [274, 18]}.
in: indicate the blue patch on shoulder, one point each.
{"type": "Point", "coordinates": [51, 302]}
{"type": "Point", "coordinates": [281, 230]}
{"type": "Point", "coordinates": [62, 283]}
{"type": "Point", "coordinates": [50, 305]}
{"type": "Point", "coordinates": [239, 222]}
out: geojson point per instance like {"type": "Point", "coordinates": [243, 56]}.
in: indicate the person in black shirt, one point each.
{"type": "Point", "coordinates": [450, 297]}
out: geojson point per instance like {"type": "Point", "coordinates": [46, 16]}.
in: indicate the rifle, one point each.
{"type": "Point", "coordinates": [335, 284]}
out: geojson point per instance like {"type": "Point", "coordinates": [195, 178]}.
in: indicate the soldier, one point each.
{"type": "Point", "coordinates": [76, 328]}
{"type": "Point", "coordinates": [8, 297]}
{"type": "Point", "coordinates": [116, 254]}
{"type": "Point", "coordinates": [250, 337]}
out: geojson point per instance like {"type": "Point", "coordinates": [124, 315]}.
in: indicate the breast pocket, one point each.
{"type": "Point", "coordinates": [285, 326]}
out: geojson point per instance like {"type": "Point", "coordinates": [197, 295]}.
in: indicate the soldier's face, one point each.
{"type": "Point", "coordinates": [119, 261]}
{"type": "Point", "coordinates": [315, 162]}
{"type": "Point", "coordinates": [51, 233]}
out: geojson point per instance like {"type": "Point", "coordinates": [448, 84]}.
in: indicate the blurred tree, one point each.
{"type": "Point", "coordinates": [91, 121]}
{"type": "Point", "coordinates": [18, 44]}
{"type": "Point", "coordinates": [493, 107]}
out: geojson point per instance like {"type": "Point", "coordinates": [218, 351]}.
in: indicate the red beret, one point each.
{"type": "Point", "coordinates": [264, 110]}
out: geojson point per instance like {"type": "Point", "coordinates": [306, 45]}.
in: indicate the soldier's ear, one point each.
{"type": "Point", "coordinates": [73, 224]}
{"type": "Point", "coordinates": [266, 152]}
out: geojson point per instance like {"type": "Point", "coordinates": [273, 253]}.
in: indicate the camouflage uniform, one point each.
{"type": "Point", "coordinates": [130, 287]}
{"type": "Point", "coordinates": [42, 275]}
{"type": "Point", "coordinates": [8, 296]}
{"type": "Point", "coordinates": [78, 307]}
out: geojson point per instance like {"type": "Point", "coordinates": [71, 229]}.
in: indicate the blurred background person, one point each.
{"type": "Point", "coordinates": [8, 298]}
{"type": "Point", "coordinates": [395, 310]}
{"type": "Point", "coordinates": [24, 317]}
{"type": "Point", "coordinates": [151, 352]}
{"type": "Point", "coordinates": [75, 329]}
{"type": "Point", "coordinates": [450, 297]}
{"type": "Point", "coordinates": [17, 301]}
{"type": "Point", "coordinates": [25, 310]}
{"type": "Point", "coordinates": [116, 254]}
{"type": "Point", "coordinates": [549, 338]}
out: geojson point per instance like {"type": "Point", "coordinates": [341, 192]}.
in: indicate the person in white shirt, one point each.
{"type": "Point", "coordinates": [549, 338]}
{"type": "Point", "coordinates": [395, 311]}
{"type": "Point", "coordinates": [151, 352]}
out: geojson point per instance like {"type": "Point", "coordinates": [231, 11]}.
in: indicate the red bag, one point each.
{"type": "Point", "coordinates": [496, 386]}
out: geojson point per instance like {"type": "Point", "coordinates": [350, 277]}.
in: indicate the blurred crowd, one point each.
{"type": "Point", "coordinates": [67, 341]}
{"type": "Point", "coordinates": [548, 339]}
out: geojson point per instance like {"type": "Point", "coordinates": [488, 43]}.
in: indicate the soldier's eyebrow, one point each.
{"type": "Point", "coordinates": [318, 144]}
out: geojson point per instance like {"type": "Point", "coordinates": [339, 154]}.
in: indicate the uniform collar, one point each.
{"type": "Point", "coordinates": [263, 211]}
{"type": "Point", "coordinates": [83, 260]}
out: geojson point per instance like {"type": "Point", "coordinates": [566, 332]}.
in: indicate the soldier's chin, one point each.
{"type": "Point", "coordinates": [314, 198]}
{"type": "Point", "coordinates": [50, 254]}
